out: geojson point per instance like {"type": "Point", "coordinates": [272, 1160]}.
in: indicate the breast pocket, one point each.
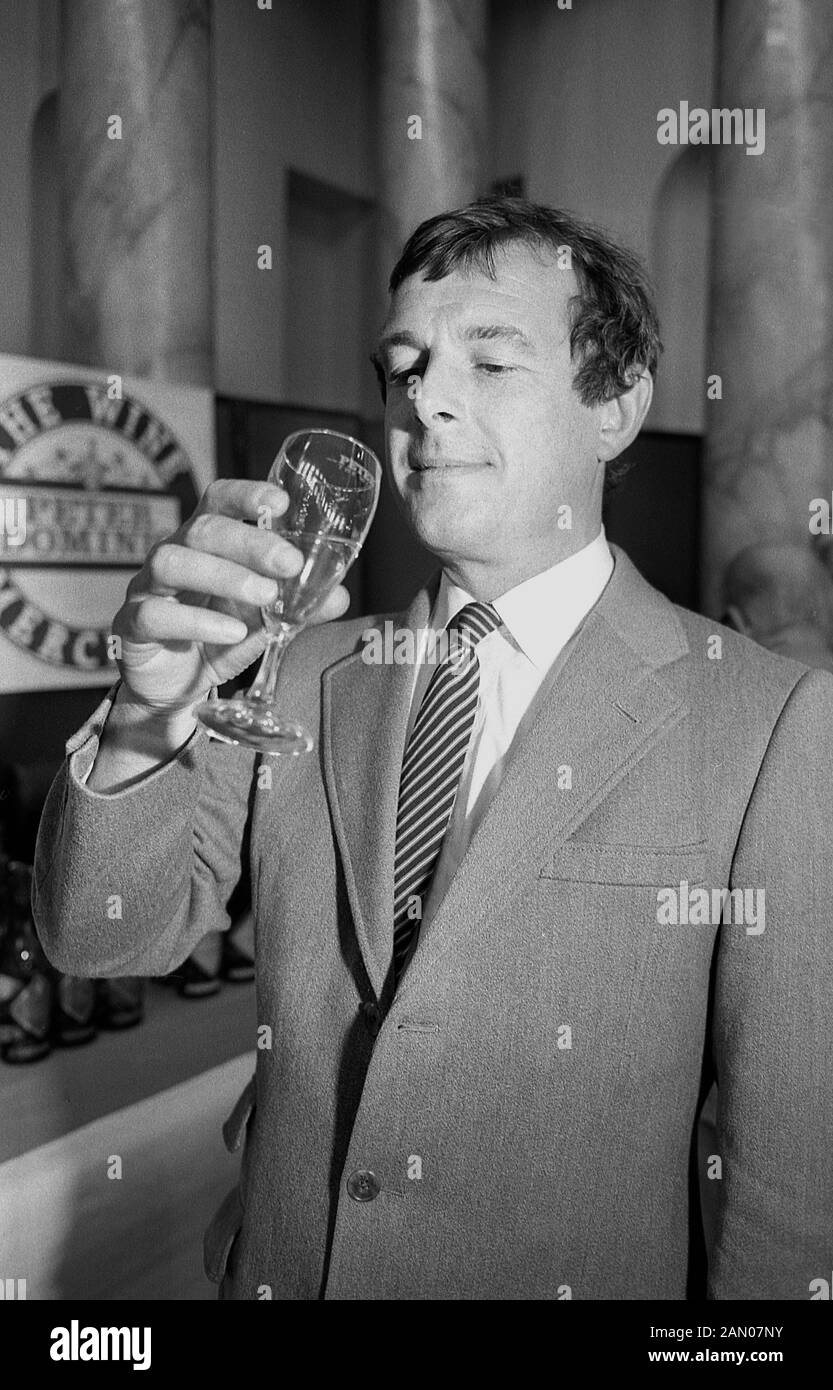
{"type": "Point", "coordinates": [587, 861]}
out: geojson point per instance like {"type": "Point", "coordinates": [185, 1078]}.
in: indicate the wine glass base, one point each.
{"type": "Point", "coordinates": [248, 725]}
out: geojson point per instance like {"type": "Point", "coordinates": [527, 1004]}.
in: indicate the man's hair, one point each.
{"type": "Point", "coordinates": [614, 331]}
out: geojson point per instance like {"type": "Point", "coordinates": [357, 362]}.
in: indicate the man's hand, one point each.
{"type": "Point", "coordinates": [190, 621]}
{"type": "Point", "coordinates": [191, 617]}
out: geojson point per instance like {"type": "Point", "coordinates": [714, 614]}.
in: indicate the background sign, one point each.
{"type": "Point", "coordinates": [94, 469]}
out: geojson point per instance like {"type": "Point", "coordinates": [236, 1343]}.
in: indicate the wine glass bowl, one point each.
{"type": "Point", "coordinates": [332, 482]}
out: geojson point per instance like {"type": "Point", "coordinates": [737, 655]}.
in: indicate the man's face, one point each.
{"type": "Point", "coordinates": [486, 437]}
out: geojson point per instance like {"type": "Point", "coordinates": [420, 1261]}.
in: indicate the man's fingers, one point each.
{"type": "Point", "coordinates": [173, 568]}
{"type": "Point", "coordinates": [334, 606]}
{"type": "Point", "coordinates": [213, 555]}
{"type": "Point", "coordinates": [247, 501]}
{"type": "Point", "coordinates": [156, 619]}
{"type": "Point", "coordinates": [260, 550]}
{"type": "Point", "coordinates": [150, 617]}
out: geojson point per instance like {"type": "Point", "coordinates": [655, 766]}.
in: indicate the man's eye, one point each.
{"type": "Point", "coordinates": [402, 377]}
{"type": "Point", "coordinates": [493, 367]}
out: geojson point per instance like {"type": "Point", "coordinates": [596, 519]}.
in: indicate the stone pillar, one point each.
{"type": "Point", "coordinates": [432, 120]}
{"type": "Point", "coordinates": [431, 131]}
{"type": "Point", "coordinates": [770, 437]}
{"type": "Point", "coordinates": [134, 120]}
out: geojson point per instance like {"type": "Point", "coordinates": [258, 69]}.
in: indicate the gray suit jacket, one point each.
{"type": "Point", "coordinates": [527, 1101]}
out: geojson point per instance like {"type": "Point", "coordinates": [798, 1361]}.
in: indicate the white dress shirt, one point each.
{"type": "Point", "coordinates": [539, 617]}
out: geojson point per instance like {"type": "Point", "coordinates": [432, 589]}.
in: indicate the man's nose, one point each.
{"type": "Point", "coordinates": [438, 394]}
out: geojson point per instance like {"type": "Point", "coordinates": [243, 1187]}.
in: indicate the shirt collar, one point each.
{"type": "Point", "coordinates": [543, 612]}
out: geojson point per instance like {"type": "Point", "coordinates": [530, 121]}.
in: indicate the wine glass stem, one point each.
{"type": "Point", "coordinates": [262, 689]}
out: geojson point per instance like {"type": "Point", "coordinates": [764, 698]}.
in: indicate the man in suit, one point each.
{"type": "Point", "coordinates": [496, 965]}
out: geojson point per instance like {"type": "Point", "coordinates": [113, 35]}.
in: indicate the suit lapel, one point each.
{"type": "Point", "coordinates": [365, 718]}
{"type": "Point", "coordinates": [603, 711]}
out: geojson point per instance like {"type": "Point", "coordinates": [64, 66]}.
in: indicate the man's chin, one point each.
{"type": "Point", "coordinates": [448, 517]}
{"type": "Point", "coordinates": [445, 536]}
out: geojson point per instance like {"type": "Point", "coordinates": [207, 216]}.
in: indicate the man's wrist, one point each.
{"type": "Point", "coordinates": [163, 723]}
{"type": "Point", "coordinates": [137, 739]}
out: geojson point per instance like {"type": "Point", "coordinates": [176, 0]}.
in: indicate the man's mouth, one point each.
{"type": "Point", "coordinates": [422, 463]}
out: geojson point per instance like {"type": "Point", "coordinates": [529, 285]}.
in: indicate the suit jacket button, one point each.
{"type": "Point", "coordinates": [363, 1185]}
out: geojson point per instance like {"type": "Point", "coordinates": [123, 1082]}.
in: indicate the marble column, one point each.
{"type": "Point", "coordinates": [134, 123]}
{"type": "Point", "coordinates": [770, 437]}
{"type": "Point", "coordinates": [431, 134]}
{"type": "Point", "coordinates": [432, 121]}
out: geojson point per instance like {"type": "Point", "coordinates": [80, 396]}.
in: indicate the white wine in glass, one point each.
{"type": "Point", "coordinates": [332, 482]}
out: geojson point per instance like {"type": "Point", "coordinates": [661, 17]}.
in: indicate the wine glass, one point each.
{"type": "Point", "coordinates": [333, 486]}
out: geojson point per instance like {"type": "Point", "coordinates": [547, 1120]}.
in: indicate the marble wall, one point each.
{"type": "Point", "coordinates": [574, 96]}
{"type": "Point", "coordinates": [770, 433]}
{"type": "Point", "coordinates": [134, 132]}
{"type": "Point", "coordinates": [431, 128]}
{"type": "Point", "coordinates": [432, 120]}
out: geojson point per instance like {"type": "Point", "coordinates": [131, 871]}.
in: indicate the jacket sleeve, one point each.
{"type": "Point", "coordinates": [128, 883]}
{"type": "Point", "coordinates": [773, 1021]}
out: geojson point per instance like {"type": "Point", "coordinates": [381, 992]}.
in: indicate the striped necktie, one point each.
{"type": "Point", "coordinates": [431, 770]}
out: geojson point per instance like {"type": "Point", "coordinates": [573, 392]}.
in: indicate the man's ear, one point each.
{"type": "Point", "coordinates": [620, 419]}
